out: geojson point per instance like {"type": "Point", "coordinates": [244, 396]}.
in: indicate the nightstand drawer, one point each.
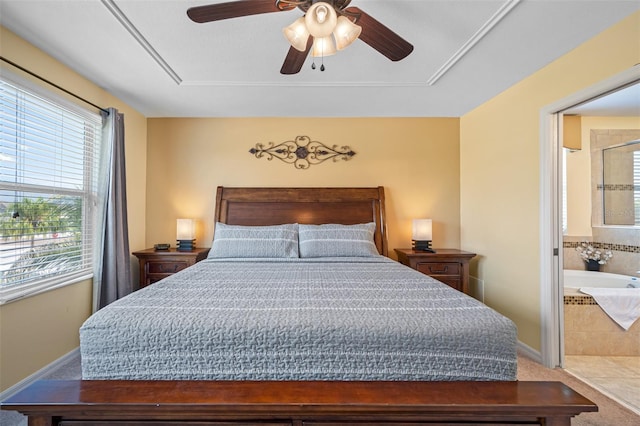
{"type": "Point", "coordinates": [448, 268]}
{"type": "Point", "coordinates": [451, 281]}
{"type": "Point", "coordinates": [165, 267]}
{"type": "Point", "coordinates": [152, 278]}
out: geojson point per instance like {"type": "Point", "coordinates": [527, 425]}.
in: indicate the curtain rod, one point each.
{"type": "Point", "coordinates": [53, 84]}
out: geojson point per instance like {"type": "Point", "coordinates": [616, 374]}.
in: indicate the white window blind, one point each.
{"type": "Point", "coordinates": [48, 169]}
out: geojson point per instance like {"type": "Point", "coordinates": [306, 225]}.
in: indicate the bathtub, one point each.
{"type": "Point", "coordinates": [574, 279]}
{"type": "Point", "coordinates": [588, 330]}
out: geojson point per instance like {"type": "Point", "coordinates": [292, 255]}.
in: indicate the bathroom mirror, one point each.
{"type": "Point", "coordinates": [621, 184]}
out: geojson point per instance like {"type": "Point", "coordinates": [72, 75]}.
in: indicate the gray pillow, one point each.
{"type": "Point", "coordinates": [333, 240]}
{"type": "Point", "coordinates": [254, 241]}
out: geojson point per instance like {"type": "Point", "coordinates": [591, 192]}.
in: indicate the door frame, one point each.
{"type": "Point", "coordinates": [551, 282]}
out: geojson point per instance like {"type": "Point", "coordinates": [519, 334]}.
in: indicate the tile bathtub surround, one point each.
{"type": "Point", "coordinates": [623, 242]}
{"type": "Point", "coordinates": [588, 330]}
{"type": "Point", "coordinates": [625, 248]}
{"type": "Point", "coordinates": [579, 300]}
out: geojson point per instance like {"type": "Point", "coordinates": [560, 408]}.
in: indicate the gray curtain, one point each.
{"type": "Point", "coordinates": [112, 272]}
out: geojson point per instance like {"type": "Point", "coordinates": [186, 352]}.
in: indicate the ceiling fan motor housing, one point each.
{"type": "Point", "coordinates": [321, 19]}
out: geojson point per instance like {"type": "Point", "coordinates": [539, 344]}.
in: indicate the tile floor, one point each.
{"type": "Point", "coordinates": [616, 376]}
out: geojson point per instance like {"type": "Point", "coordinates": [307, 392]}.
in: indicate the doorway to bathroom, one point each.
{"type": "Point", "coordinates": [577, 334]}
{"type": "Point", "coordinates": [601, 253]}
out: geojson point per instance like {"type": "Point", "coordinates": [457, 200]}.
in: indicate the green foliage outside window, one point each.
{"type": "Point", "coordinates": [52, 229]}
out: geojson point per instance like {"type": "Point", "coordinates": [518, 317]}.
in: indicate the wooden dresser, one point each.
{"type": "Point", "coordinates": [451, 266]}
{"type": "Point", "coordinates": [158, 264]}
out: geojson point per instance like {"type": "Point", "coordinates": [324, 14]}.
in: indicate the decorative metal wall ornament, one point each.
{"type": "Point", "coordinates": [302, 152]}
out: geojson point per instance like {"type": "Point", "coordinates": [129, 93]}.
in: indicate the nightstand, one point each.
{"type": "Point", "coordinates": [451, 266]}
{"type": "Point", "coordinates": [158, 264]}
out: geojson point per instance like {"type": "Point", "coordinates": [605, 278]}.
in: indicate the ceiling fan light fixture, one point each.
{"type": "Point", "coordinates": [346, 32]}
{"type": "Point", "coordinates": [297, 34]}
{"type": "Point", "coordinates": [323, 46]}
{"type": "Point", "coordinates": [321, 19]}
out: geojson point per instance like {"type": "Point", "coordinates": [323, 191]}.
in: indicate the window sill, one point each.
{"type": "Point", "coordinates": [8, 295]}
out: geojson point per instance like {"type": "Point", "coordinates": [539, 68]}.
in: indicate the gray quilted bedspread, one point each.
{"type": "Point", "coordinates": [297, 320]}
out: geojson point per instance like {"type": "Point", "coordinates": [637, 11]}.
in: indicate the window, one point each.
{"type": "Point", "coordinates": [48, 180]}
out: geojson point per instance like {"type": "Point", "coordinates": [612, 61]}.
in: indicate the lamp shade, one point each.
{"type": "Point", "coordinates": [422, 230]}
{"type": "Point", "coordinates": [323, 46]}
{"type": "Point", "coordinates": [186, 229]}
{"type": "Point", "coordinates": [297, 34]}
{"type": "Point", "coordinates": [321, 19]}
{"type": "Point", "coordinates": [346, 32]}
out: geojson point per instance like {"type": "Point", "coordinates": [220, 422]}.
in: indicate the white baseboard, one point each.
{"type": "Point", "coordinates": [527, 350]}
{"type": "Point", "coordinates": [37, 375]}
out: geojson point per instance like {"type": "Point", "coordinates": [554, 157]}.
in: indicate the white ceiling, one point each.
{"type": "Point", "coordinates": [150, 55]}
{"type": "Point", "coordinates": [624, 102]}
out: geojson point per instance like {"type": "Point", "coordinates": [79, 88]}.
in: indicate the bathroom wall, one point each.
{"type": "Point", "coordinates": [584, 176]}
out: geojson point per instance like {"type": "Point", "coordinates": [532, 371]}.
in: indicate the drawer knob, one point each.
{"type": "Point", "coordinates": [439, 271]}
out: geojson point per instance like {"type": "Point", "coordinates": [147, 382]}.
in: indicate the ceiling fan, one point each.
{"type": "Point", "coordinates": [327, 26]}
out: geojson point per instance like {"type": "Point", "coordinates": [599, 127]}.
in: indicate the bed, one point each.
{"type": "Point", "coordinates": [298, 316]}
{"type": "Point", "coordinates": [298, 291]}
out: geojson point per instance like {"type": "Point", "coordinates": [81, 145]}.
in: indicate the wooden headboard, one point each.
{"type": "Point", "coordinates": [276, 206]}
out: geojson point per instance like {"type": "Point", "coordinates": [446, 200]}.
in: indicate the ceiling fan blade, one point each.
{"type": "Point", "coordinates": [295, 59]}
{"type": "Point", "coordinates": [380, 37]}
{"type": "Point", "coordinates": [234, 9]}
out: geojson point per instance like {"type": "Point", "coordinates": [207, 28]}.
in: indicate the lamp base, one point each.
{"type": "Point", "coordinates": [422, 246]}
{"type": "Point", "coordinates": [186, 245]}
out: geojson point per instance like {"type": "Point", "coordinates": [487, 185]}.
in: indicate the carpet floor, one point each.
{"type": "Point", "coordinates": [610, 413]}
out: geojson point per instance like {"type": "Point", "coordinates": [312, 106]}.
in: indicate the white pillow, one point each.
{"type": "Point", "coordinates": [333, 240]}
{"type": "Point", "coordinates": [254, 241]}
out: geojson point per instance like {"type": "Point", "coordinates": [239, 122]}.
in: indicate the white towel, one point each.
{"type": "Point", "coordinates": [621, 304]}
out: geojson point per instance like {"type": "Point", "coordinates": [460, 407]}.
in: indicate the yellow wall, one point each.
{"type": "Point", "coordinates": [40, 329]}
{"type": "Point", "coordinates": [415, 159]}
{"type": "Point", "coordinates": [579, 173]}
{"type": "Point", "coordinates": [36, 331]}
{"type": "Point", "coordinates": [500, 171]}
{"type": "Point", "coordinates": [174, 165]}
